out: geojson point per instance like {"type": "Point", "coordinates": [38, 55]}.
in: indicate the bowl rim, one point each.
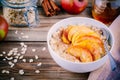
{"type": "Point", "coordinates": [86, 63]}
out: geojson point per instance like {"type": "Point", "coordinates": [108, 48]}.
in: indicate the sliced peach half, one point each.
{"type": "Point", "coordinates": [82, 53]}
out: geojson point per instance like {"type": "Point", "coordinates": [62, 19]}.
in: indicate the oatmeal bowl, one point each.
{"type": "Point", "coordinates": [77, 44]}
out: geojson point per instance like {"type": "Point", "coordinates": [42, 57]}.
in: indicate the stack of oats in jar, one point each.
{"type": "Point", "coordinates": [20, 12]}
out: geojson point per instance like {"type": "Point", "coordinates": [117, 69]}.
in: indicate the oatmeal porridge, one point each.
{"type": "Point", "coordinates": [79, 43]}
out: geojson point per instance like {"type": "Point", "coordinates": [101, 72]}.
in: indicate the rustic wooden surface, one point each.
{"type": "Point", "coordinates": [49, 70]}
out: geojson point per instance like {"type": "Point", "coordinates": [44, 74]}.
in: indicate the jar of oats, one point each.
{"type": "Point", "coordinates": [20, 12]}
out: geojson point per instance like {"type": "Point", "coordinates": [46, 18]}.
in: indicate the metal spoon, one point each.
{"type": "Point", "coordinates": [112, 60]}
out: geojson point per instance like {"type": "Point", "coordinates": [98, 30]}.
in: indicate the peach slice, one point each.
{"type": "Point", "coordinates": [96, 49]}
{"type": "Point", "coordinates": [78, 31]}
{"type": "Point", "coordinates": [87, 37]}
{"type": "Point", "coordinates": [64, 36]}
{"type": "Point", "coordinates": [73, 30]}
{"type": "Point", "coordinates": [78, 35]}
{"type": "Point", "coordinates": [82, 53]}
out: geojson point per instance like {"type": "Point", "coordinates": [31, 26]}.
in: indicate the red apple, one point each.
{"type": "Point", "coordinates": [3, 28]}
{"type": "Point", "coordinates": [74, 6]}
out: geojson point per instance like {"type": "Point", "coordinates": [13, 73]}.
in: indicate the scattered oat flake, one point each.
{"type": "Point", "coordinates": [16, 32]}
{"type": "Point", "coordinates": [3, 71]}
{"type": "Point", "coordinates": [21, 33]}
{"type": "Point", "coordinates": [21, 57]}
{"type": "Point", "coordinates": [25, 46]}
{"type": "Point", "coordinates": [30, 60]}
{"type": "Point", "coordinates": [4, 52]}
{"type": "Point", "coordinates": [37, 71]}
{"type": "Point", "coordinates": [10, 53]}
{"type": "Point", "coordinates": [1, 55]}
{"type": "Point", "coordinates": [36, 57]}
{"type": "Point", "coordinates": [21, 72]}
{"type": "Point", "coordinates": [44, 48]}
{"type": "Point", "coordinates": [25, 36]}
{"type": "Point", "coordinates": [15, 60]}
{"type": "Point", "coordinates": [12, 65]}
{"type": "Point", "coordinates": [33, 50]}
{"type": "Point", "coordinates": [9, 58]}
{"type": "Point", "coordinates": [39, 64]}
{"type": "Point", "coordinates": [7, 72]}
{"type": "Point", "coordinates": [24, 60]}
{"type": "Point", "coordinates": [4, 59]}
{"type": "Point", "coordinates": [15, 53]}
{"type": "Point", "coordinates": [18, 54]}
{"type": "Point", "coordinates": [12, 78]}
{"type": "Point", "coordinates": [23, 52]}
{"type": "Point", "coordinates": [23, 49]}
{"type": "Point", "coordinates": [22, 44]}
{"type": "Point", "coordinates": [16, 57]}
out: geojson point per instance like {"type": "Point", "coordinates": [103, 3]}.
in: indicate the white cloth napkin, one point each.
{"type": "Point", "coordinates": [115, 28]}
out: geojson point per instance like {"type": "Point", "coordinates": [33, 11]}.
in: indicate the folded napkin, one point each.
{"type": "Point", "coordinates": [105, 72]}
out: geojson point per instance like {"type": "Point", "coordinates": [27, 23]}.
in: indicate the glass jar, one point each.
{"type": "Point", "coordinates": [20, 12]}
{"type": "Point", "coordinates": [105, 10]}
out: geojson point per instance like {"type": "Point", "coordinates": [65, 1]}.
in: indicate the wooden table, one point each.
{"type": "Point", "coordinates": [35, 39]}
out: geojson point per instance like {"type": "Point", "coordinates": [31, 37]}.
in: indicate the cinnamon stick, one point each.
{"type": "Point", "coordinates": [54, 6]}
{"type": "Point", "coordinates": [48, 6]}
{"type": "Point", "coordinates": [45, 9]}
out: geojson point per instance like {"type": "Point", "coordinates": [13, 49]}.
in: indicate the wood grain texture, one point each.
{"type": "Point", "coordinates": [49, 70]}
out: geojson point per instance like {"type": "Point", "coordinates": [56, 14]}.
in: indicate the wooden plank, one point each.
{"type": "Point", "coordinates": [49, 70]}
{"type": "Point", "coordinates": [105, 72]}
{"type": "Point", "coordinates": [26, 35]}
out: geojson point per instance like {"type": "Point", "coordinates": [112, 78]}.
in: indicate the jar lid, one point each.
{"type": "Point", "coordinates": [18, 3]}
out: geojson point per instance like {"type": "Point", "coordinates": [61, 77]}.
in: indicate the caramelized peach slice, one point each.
{"type": "Point", "coordinates": [95, 48]}
{"type": "Point", "coordinates": [64, 36]}
{"type": "Point", "coordinates": [77, 36]}
{"type": "Point", "coordinates": [73, 30]}
{"type": "Point", "coordinates": [83, 54]}
{"type": "Point", "coordinates": [87, 37]}
{"type": "Point", "coordinates": [77, 31]}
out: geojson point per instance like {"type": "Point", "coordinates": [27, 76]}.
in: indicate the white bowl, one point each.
{"type": "Point", "coordinates": [73, 66]}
